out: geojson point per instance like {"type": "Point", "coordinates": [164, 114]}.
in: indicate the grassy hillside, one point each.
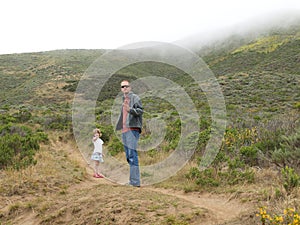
{"type": "Point", "coordinates": [259, 75]}
{"type": "Point", "coordinates": [274, 45]}
{"type": "Point", "coordinates": [258, 162]}
{"type": "Point", "coordinates": [39, 77]}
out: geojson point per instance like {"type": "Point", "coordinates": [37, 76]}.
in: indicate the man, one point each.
{"type": "Point", "coordinates": [130, 122]}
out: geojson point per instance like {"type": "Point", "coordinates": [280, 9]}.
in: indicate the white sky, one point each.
{"type": "Point", "coordinates": [42, 25]}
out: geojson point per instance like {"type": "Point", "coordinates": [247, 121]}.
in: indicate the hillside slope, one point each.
{"type": "Point", "coordinates": [254, 68]}
{"type": "Point", "coordinates": [40, 77]}
{"type": "Point", "coordinates": [260, 80]}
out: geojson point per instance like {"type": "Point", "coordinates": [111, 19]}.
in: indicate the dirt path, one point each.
{"type": "Point", "coordinates": [214, 209]}
{"type": "Point", "coordinates": [222, 208]}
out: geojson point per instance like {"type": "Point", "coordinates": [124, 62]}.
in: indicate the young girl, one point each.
{"type": "Point", "coordinates": [97, 155]}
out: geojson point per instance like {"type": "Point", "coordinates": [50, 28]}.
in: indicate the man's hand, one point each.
{"type": "Point", "coordinates": [126, 106]}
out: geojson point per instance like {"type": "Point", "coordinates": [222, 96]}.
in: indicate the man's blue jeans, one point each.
{"type": "Point", "coordinates": [130, 140]}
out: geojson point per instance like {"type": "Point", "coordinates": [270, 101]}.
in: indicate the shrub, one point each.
{"type": "Point", "coordinates": [288, 153]}
{"type": "Point", "coordinates": [249, 155]}
{"type": "Point", "coordinates": [207, 178]}
{"type": "Point", "coordinates": [6, 119]}
{"type": "Point", "coordinates": [58, 122]}
{"type": "Point", "coordinates": [6, 152]}
{"type": "Point", "coordinates": [18, 145]}
{"type": "Point", "coordinates": [23, 115]}
{"type": "Point", "coordinates": [115, 146]}
{"type": "Point", "coordinates": [290, 179]}
{"type": "Point", "coordinates": [237, 176]}
{"type": "Point", "coordinates": [213, 178]}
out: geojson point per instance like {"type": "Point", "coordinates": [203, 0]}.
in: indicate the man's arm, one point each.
{"type": "Point", "coordinates": [137, 108]}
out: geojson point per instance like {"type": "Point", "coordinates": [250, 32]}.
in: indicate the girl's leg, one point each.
{"type": "Point", "coordinates": [96, 170]}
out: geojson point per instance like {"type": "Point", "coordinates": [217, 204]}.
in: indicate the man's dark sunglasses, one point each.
{"type": "Point", "coordinates": [125, 86]}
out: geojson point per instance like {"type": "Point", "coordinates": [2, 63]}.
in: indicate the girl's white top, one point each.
{"type": "Point", "coordinates": [98, 145]}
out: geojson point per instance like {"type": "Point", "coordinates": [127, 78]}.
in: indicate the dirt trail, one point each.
{"type": "Point", "coordinates": [217, 209]}
{"type": "Point", "coordinates": [221, 208]}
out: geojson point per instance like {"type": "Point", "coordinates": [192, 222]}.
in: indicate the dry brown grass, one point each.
{"type": "Point", "coordinates": [59, 189]}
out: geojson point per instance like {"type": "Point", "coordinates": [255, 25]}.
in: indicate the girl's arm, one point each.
{"type": "Point", "coordinates": [96, 136]}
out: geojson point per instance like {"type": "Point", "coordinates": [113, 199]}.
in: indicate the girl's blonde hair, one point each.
{"type": "Point", "coordinates": [97, 131]}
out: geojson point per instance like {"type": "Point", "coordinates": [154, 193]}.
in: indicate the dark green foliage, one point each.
{"type": "Point", "coordinates": [235, 163]}
{"type": "Point", "coordinates": [115, 146]}
{"type": "Point", "coordinates": [206, 178]}
{"type": "Point", "coordinates": [18, 142]}
{"type": "Point", "coordinates": [249, 155]}
{"type": "Point", "coordinates": [18, 145]}
{"type": "Point", "coordinates": [107, 132]}
{"type": "Point", "coordinates": [5, 119]}
{"type": "Point", "coordinates": [7, 152]}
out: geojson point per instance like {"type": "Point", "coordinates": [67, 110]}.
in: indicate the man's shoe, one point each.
{"type": "Point", "coordinates": [129, 184]}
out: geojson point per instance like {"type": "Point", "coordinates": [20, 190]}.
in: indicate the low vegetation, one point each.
{"type": "Point", "coordinates": [258, 162]}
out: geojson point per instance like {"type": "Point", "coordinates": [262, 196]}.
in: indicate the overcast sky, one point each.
{"type": "Point", "coordinates": [42, 25]}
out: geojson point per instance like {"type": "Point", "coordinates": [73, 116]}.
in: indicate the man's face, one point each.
{"type": "Point", "coordinates": [125, 87]}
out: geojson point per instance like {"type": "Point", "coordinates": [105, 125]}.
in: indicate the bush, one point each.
{"type": "Point", "coordinates": [18, 145]}
{"type": "Point", "coordinates": [237, 176]}
{"type": "Point", "coordinates": [288, 154]}
{"type": "Point", "coordinates": [115, 146]}
{"type": "Point", "coordinates": [6, 119]}
{"type": "Point", "coordinates": [57, 122]}
{"type": "Point", "coordinates": [23, 115]}
{"type": "Point", "coordinates": [6, 152]}
{"type": "Point", "coordinates": [249, 155]}
{"type": "Point", "coordinates": [213, 178]}
{"type": "Point", "coordinates": [291, 179]}
{"type": "Point", "coordinates": [204, 178]}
